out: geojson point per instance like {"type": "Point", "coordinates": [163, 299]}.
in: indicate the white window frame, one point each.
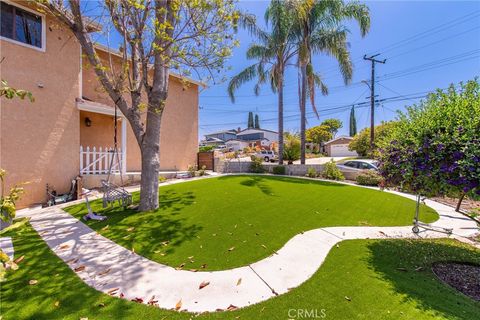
{"type": "Point", "coordinates": [44, 28]}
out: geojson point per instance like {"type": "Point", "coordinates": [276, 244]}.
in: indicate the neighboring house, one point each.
{"type": "Point", "coordinates": [240, 139]}
{"type": "Point", "coordinates": [338, 147]}
{"type": "Point", "coordinates": [261, 138]}
{"type": "Point", "coordinates": [40, 142]}
{"type": "Point", "coordinates": [236, 144]}
{"type": "Point", "coordinates": [222, 135]}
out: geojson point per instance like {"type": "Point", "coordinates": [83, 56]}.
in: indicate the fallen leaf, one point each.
{"type": "Point", "coordinates": [178, 305]}
{"type": "Point", "coordinates": [203, 266]}
{"type": "Point", "coordinates": [121, 295]}
{"type": "Point", "coordinates": [104, 272]}
{"type": "Point", "coordinates": [193, 270]}
{"type": "Point", "coordinates": [235, 226]}
{"type": "Point", "coordinates": [231, 249]}
{"type": "Point", "coordinates": [402, 269]}
{"type": "Point", "coordinates": [130, 229]}
{"type": "Point", "coordinates": [73, 260]}
{"type": "Point", "coordinates": [232, 307]}
{"type": "Point", "coordinates": [101, 304]}
{"type": "Point", "coordinates": [152, 301]}
{"type": "Point", "coordinates": [348, 298]}
{"type": "Point", "coordinates": [57, 304]}
{"type": "Point", "coordinates": [219, 309]}
{"type": "Point", "coordinates": [203, 284]}
{"type": "Point", "coordinates": [139, 300]}
{"type": "Point", "coordinates": [180, 266]}
{"type": "Point", "coordinates": [264, 246]}
{"type": "Point", "coordinates": [19, 259]}
{"type": "Point", "coordinates": [112, 291]}
{"type": "Point", "coordinates": [164, 243]}
{"type": "Point", "coordinates": [83, 318]}
{"type": "Point", "coordinates": [239, 281]}
{"type": "Point", "coordinates": [419, 269]}
{"type": "Point", "coordinates": [338, 246]}
{"type": "Point", "coordinates": [33, 282]}
{"type": "Point", "coordinates": [105, 228]}
{"type": "Point", "coordinates": [78, 269]}
{"type": "Point", "coordinates": [190, 258]}
{"type": "Point", "coordinates": [64, 246]}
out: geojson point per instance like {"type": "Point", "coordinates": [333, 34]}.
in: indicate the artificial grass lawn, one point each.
{"type": "Point", "coordinates": [365, 271]}
{"type": "Point", "coordinates": [255, 215]}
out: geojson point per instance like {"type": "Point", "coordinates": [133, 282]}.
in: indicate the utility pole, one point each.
{"type": "Point", "coordinates": [372, 96]}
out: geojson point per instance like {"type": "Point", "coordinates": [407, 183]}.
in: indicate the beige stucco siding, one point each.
{"type": "Point", "coordinates": [39, 141]}
{"type": "Point", "coordinates": [179, 131]}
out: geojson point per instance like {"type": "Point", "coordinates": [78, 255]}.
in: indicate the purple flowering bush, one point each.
{"type": "Point", "coordinates": [435, 148]}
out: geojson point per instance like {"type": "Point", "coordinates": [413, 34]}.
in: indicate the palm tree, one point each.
{"type": "Point", "coordinates": [273, 51]}
{"type": "Point", "coordinates": [319, 28]}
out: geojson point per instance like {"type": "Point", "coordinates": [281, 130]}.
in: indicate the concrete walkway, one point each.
{"type": "Point", "coordinates": [112, 269]}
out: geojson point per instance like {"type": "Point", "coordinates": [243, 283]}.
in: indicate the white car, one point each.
{"type": "Point", "coordinates": [267, 155]}
{"type": "Point", "coordinates": [360, 164]}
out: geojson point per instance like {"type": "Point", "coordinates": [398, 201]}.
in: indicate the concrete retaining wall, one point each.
{"type": "Point", "coordinates": [291, 169]}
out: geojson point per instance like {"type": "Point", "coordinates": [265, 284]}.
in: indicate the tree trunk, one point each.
{"type": "Point", "coordinates": [459, 203]}
{"type": "Point", "coordinates": [303, 102]}
{"type": "Point", "coordinates": [280, 122]}
{"type": "Point", "coordinates": [150, 149]}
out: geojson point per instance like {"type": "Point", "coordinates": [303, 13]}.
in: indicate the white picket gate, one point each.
{"type": "Point", "coordinates": [97, 161]}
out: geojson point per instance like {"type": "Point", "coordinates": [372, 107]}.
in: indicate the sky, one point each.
{"type": "Point", "coordinates": [427, 44]}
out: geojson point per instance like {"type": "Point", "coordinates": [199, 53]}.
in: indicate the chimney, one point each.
{"type": "Point", "coordinates": [239, 129]}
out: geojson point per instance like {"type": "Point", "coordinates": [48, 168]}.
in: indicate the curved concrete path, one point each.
{"type": "Point", "coordinates": [115, 270]}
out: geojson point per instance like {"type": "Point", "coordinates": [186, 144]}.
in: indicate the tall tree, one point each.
{"type": "Point", "coordinates": [332, 125]}
{"type": "Point", "coordinates": [156, 36]}
{"type": "Point", "coordinates": [257, 122]}
{"type": "Point", "coordinates": [273, 51]}
{"type": "Point", "coordinates": [320, 28]}
{"type": "Point", "coordinates": [353, 123]}
{"type": "Point", "coordinates": [250, 123]}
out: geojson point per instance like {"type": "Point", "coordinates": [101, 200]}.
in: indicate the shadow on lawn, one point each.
{"type": "Point", "coordinates": [151, 228]}
{"type": "Point", "coordinates": [422, 286]}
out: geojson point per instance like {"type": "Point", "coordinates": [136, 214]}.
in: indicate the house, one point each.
{"type": "Point", "coordinates": [236, 144]}
{"type": "Point", "coordinates": [69, 128]}
{"type": "Point", "coordinates": [261, 138]}
{"type": "Point", "coordinates": [338, 147]}
{"type": "Point", "coordinates": [218, 138]}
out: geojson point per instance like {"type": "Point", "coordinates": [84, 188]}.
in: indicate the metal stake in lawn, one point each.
{"type": "Point", "coordinates": [372, 96]}
{"type": "Point", "coordinates": [417, 224]}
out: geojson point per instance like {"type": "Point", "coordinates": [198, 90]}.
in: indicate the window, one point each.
{"type": "Point", "coordinates": [21, 25]}
{"type": "Point", "coordinates": [351, 164]}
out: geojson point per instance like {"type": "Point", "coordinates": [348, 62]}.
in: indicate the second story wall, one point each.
{"type": "Point", "coordinates": [39, 141]}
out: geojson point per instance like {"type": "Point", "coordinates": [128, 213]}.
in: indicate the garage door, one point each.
{"type": "Point", "coordinates": [341, 150]}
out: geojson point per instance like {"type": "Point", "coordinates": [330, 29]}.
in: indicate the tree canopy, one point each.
{"type": "Point", "coordinates": [361, 141]}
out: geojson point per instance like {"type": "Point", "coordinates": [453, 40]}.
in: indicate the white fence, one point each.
{"type": "Point", "coordinates": [97, 161]}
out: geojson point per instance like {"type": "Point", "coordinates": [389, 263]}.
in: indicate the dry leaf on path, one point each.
{"type": "Point", "coordinates": [178, 305]}
{"type": "Point", "coordinates": [104, 272]}
{"type": "Point", "coordinates": [64, 246]}
{"type": "Point", "coordinates": [112, 291]}
{"type": "Point", "coordinates": [180, 266]}
{"type": "Point", "coordinates": [203, 284]}
{"type": "Point", "coordinates": [78, 269]}
{"type": "Point", "coordinates": [239, 281]}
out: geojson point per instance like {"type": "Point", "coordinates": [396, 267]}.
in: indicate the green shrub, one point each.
{"type": "Point", "coordinates": [331, 172]}
{"type": "Point", "coordinates": [312, 173]}
{"type": "Point", "coordinates": [161, 179]}
{"type": "Point", "coordinates": [202, 172]}
{"type": "Point", "coordinates": [291, 148]}
{"type": "Point", "coordinates": [257, 165]}
{"type": "Point", "coordinates": [279, 170]}
{"type": "Point", "coordinates": [206, 148]}
{"type": "Point", "coordinates": [191, 170]}
{"type": "Point", "coordinates": [369, 178]}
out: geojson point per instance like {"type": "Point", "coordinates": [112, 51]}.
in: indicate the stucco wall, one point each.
{"type": "Point", "coordinates": [39, 141]}
{"type": "Point", "coordinates": [179, 131]}
{"type": "Point", "coordinates": [101, 131]}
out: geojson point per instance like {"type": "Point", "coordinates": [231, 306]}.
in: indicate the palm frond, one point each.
{"type": "Point", "coordinates": [245, 76]}
{"type": "Point", "coordinates": [360, 13]}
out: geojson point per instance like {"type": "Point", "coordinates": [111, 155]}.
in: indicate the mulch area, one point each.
{"type": "Point", "coordinates": [463, 277]}
{"type": "Point", "coordinates": [468, 205]}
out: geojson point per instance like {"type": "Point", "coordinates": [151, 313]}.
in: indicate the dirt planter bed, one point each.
{"type": "Point", "coordinates": [463, 277]}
